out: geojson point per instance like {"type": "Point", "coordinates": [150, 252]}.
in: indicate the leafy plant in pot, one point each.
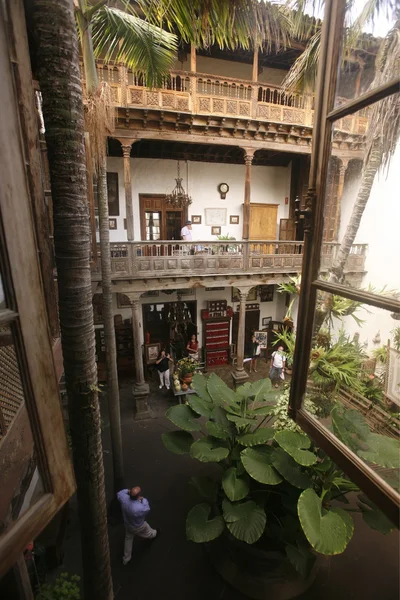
{"type": "Point", "coordinates": [272, 507]}
{"type": "Point", "coordinates": [186, 367]}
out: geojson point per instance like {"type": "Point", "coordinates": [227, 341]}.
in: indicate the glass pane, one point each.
{"type": "Point", "coordinates": [361, 68]}
{"type": "Point", "coordinates": [21, 484]}
{"type": "Point", "coordinates": [173, 224]}
{"type": "Point", "coordinates": [362, 211]}
{"type": "Point", "coordinates": [153, 222]}
{"type": "Point", "coordinates": [354, 380]}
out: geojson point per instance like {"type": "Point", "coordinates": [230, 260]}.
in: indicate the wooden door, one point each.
{"type": "Point", "coordinates": [287, 231]}
{"type": "Point", "coordinates": [263, 223]}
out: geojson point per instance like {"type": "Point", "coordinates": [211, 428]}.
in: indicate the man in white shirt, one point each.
{"type": "Point", "coordinates": [186, 232]}
{"type": "Point", "coordinates": [277, 365]}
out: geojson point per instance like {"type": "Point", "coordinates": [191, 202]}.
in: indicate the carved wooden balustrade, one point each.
{"type": "Point", "coordinates": [203, 94]}
{"type": "Point", "coordinates": [169, 258]}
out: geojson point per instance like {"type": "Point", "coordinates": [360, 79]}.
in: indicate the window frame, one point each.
{"type": "Point", "coordinates": [380, 492]}
{"type": "Point", "coordinates": [26, 313]}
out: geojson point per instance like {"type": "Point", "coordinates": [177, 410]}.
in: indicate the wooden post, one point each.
{"type": "Point", "coordinates": [126, 150]}
{"type": "Point", "coordinates": [193, 59]}
{"type": "Point", "coordinates": [255, 64]}
{"type": "Point", "coordinates": [248, 159]}
{"type": "Point", "coordinates": [140, 387]}
{"type": "Point", "coordinates": [342, 173]}
{"type": "Point", "coordinates": [239, 374]}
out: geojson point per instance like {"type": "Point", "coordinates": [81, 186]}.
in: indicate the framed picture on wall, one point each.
{"type": "Point", "coordinates": [252, 296]}
{"type": "Point", "coordinates": [151, 352]}
{"type": "Point", "coordinates": [234, 219]}
{"type": "Point", "coordinates": [266, 321]}
{"type": "Point", "coordinates": [266, 293]}
{"type": "Point", "coordinates": [261, 338]}
{"type": "Point", "coordinates": [215, 230]}
{"type": "Point", "coordinates": [215, 216]}
{"type": "Point", "coordinates": [112, 223]}
{"type": "Point", "coordinates": [196, 219]}
{"type": "Point", "coordinates": [113, 194]}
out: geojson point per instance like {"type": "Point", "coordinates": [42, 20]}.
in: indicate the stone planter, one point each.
{"type": "Point", "coordinates": [257, 573]}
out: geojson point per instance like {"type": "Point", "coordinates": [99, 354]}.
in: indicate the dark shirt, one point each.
{"type": "Point", "coordinates": [163, 365]}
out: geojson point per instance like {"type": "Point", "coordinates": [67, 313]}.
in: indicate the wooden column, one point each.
{"type": "Point", "coordinates": [126, 150]}
{"type": "Point", "coordinates": [193, 59]}
{"type": "Point", "coordinates": [239, 374]}
{"type": "Point", "coordinates": [248, 159]}
{"type": "Point", "coordinates": [140, 387]}
{"type": "Point", "coordinates": [255, 64]}
{"type": "Point", "coordinates": [344, 162]}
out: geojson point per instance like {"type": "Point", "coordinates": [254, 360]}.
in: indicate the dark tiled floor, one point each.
{"type": "Point", "coordinates": [172, 568]}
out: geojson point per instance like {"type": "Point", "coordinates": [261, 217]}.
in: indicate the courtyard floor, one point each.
{"type": "Point", "coordinates": [172, 568]}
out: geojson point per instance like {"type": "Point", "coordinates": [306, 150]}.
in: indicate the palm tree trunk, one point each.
{"type": "Point", "coordinates": [109, 332]}
{"type": "Point", "coordinates": [60, 81]}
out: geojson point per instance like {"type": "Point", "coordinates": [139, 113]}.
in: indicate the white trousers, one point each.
{"type": "Point", "coordinates": [144, 531]}
{"type": "Point", "coordinates": [164, 378]}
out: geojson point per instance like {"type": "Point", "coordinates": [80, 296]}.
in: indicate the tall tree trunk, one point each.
{"type": "Point", "coordinates": [59, 76]}
{"type": "Point", "coordinates": [109, 332]}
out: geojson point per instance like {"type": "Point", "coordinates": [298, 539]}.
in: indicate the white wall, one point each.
{"type": "Point", "coordinates": [380, 229]}
{"type": "Point", "coordinates": [269, 185]}
{"type": "Point", "coordinates": [230, 68]}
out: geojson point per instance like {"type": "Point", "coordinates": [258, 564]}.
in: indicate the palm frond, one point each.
{"type": "Point", "coordinates": [123, 37]}
{"type": "Point", "coordinates": [226, 23]}
{"type": "Point", "coordinates": [303, 72]}
{"type": "Point", "coordinates": [303, 25]}
{"type": "Point", "coordinates": [368, 14]}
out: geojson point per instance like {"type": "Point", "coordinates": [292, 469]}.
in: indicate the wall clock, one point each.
{"type": "Point", "coordinates": [223, 189]}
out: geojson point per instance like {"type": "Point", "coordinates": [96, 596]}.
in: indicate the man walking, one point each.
{"type": "Point", "coordinates": [277, 365]}
{"type": "Point", "coordinates": [134, 508]}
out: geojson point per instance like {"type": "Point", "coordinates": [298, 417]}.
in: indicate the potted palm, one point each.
{"type": "Point", "coordinates": [270, 510]}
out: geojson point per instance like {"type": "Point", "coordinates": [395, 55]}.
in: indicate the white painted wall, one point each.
{"type": "Point", "coordinates": [230, 68]}
{"type": "Point", "coordinates": [380, 229]}
{"type": "Point", "coordinates": [270, 185]}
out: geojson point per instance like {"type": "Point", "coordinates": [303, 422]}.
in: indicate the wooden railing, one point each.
{"type": "Point", "coordinates": [170, 258]}
{"type": "Point", "coordinates": [204, 94]}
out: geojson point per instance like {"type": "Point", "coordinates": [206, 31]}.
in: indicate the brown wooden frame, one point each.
{"type": "Point", "coordinates": [164, 210]}
{"type": "Point", "coordinates": [380, 492]}
{"type": "Point", "coordinates": [22, 280]}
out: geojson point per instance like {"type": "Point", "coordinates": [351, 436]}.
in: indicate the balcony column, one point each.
{"type": "Point", "coordinates": [239, 374]}
{"type": "Point", "coordinates": [248, 160]}
{"type": "Point", "coordinates": [140, 387]}
{"type": "Point", "coordinates": [344, 162]}
{"type": "Point", "coordinates": [126, 151]}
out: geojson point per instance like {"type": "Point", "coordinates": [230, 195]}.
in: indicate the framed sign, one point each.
{"type": "Point", "coordinates": [261, 338]}
{"type": "Point", "coordinates": [196, 219]}
{"type": "Point", "coordinates": [266, 321]}
{"type": "Point", "coordinates": [215, 230]}
{"type": "Point", "coordinates": [266, 293]}
{"type": "Point", "coordinates": [234, 219]}
{"type": "Point", "coordinates": [112, 223]}
{"type": "Point", "coordinates": [113, 194]}
{"type": "Point", "coordinates": [215, 216]}
{"type": "Point", "coordinates": [151, 352]}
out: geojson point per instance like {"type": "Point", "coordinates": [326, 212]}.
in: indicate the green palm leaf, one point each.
{"type": "Point", "coordinates": [123, 37]}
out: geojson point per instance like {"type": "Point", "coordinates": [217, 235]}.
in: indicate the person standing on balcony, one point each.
{"type": "Point", "coordinates": [162, 366]}
{"type": "Point", "coordinates": [277, 365]}
{"type": "Point", "coordinates": [134, 508]}
{"type": "Point", "coordinates": [186, 232]}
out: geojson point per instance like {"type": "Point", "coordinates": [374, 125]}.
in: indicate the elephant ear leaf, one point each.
{"type": "Point", "coordinates": [235, 487]}
{"type": "Point", "coordinates": [206, 449]}
{"type": "Point", "coordinates": [382, 451]}
{"type": "Point", "coordinates": [245, 521]}
{"type": "Point", "coordinates": [258, 437]}
{"type": "Point", "coordinates": [201, 529]}
{"type": "Point", "coordinates": [296, 444]}
{"type": "Point", "coordinates": [220, 393]}
{"type": "Point", "coordinates": [257, 462]}
{"type": "Point", "coordinates": [201, 406]}
{"type": "Point", "coordinates": [182, 416]}
{"type": "Point", "coordinates": [328, 531]}
{"type": "Point", "coordinates": [290, 469]}
{"type": "Point", "coordinates": [178, 442]}
{"type": "Point", "coordinates": [374, 518]}
{"type": "Point", "coordinates": [199, 384]}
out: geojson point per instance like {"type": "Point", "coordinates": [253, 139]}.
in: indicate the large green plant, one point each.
{"type": "Point", "coordinates": [274, 487]}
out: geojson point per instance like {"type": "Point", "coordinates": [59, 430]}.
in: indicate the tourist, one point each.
{"type": "Point", "coordinates": [186, 232]}
{"type": "Point", "coordinates": [162, 366]}
{"type": "Point", "coordinates": [254, 353]}
{"type": "Point", "coordinates": [193, 348]}
{"type": "Point", "coordinates": [277, 366]}
{"type": "Point", "coordinates": [134, 508]}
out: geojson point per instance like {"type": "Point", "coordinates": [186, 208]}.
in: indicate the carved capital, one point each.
{"type": "Point", "coordinates": [248, 156]}
{"type": "Point", "coordinates": [133, 298]}
{"type": "Point", "coordinates": [344, 163]}
{"type": "Point", "coordinates": [244, 292]}
{"type": "Point", "coordinates": [126, 150]}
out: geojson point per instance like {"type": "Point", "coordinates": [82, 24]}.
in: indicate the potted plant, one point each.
{"type": "Point", "coordinates": [272, 507]}
{"type": "Point", "coordinates": [185, 368]}
{"type": "Point", "coordinates": [228, 248]}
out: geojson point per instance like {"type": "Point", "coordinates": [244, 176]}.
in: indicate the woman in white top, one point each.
{"type": "Point", "coordinates": [277, 365]}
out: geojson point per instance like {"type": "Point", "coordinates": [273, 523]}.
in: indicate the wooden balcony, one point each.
{"type": "Point", "coordinates": [203, 94]}
{"type": "Point", "coordinates": [144, 260]}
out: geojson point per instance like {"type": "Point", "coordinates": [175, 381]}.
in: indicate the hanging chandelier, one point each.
{"type": "Point", "coordinates": [178, 198]}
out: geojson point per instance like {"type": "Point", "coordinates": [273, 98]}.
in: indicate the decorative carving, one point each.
{"type": "Point", "coordinates": [263, 112]}
{"type": "Point", "coordinates": [136, 96]}
{"type": "Point", "coordinates": [347, 123]}
{"type": "Point", "coordinates": [231, 107]}
{"type": "Point", "coordinates": [291, 115]}
{"type": "Point", "coordinates": [198, 263]}
{"type": "Point", "coordinates": [120, 266]}
{"type": "Point", "coordinates": [115, 93]}
{"type": "Point", "coordinates": [126, 150]}
{"type": "Point", "coordinates": [158, 265]}
{"type": "Point", "coordinates": [224, 263]}
{"type": "Point", "coordinates": [144, 265]}
{"type": "Point", "coordinates": [211, 263]}
{"type": "Point", "coordinates": [256, 263]}
{"type": "Point", "coordinates": [152, 98]}
{"type": "Point", "coordinates": [244, 108]}
{"type": "Point", "coordinates": [167, 100]}
{"type": "Point", "coordinates": [172, 264]}
{"type": "Point", "coordinates": [205, 104]}
{"type": "Point", "coordinates": [276, 114]}
{"type": "Point", "coordinates": [185, 263]}
{"type": "Point", "coordinates": [183, 103]}
{"type": "Point", "coordinates": [218, 105]}
{"type": "Point", "coordinates": [268, 262]}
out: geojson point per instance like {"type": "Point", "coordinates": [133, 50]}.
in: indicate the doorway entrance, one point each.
{"type": "Point", "coordinates": [161, 327]}
{"type": "Point", "coordinates": [158, 221]}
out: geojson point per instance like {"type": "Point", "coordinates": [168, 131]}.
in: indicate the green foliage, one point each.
{"type": "Point", "coordinates": [186, 365]}
{"type": "Point", "coordinates": [381, 354]}
{"type": "Point", "coordinates": [66, 587]}
{"type": "Point", "coordinates": [275, 486]}
{"type": "Point", "coordinates": [396, 338]}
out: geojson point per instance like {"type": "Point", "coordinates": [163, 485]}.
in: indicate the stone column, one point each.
{"type": "Point", "coordinates": [140, 387]}
{"type": "Point", "coordinates": [239, 374]}
{"type": "Point", "coordinates": [342, 173]}
{"type": "Point", "coordinates": [126, 150]}
{"type": "Point", "coordinates": [248, 160]}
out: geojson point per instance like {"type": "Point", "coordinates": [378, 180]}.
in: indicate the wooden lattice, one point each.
{"type": "Point", "coordinates": [11, 391]}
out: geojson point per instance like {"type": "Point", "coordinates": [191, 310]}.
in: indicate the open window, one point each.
{"type": "Point", "coordinates": [35, 467]}
{"type": "Point", "coordinates": [362, 130]}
